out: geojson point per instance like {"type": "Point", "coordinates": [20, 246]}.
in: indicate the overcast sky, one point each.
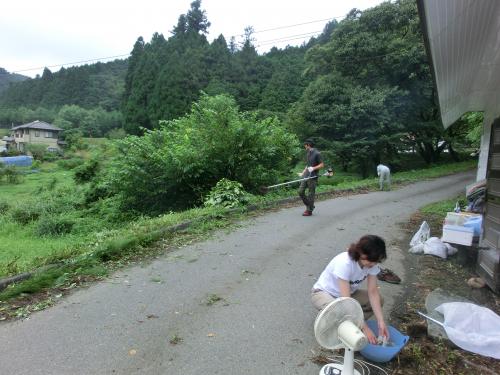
{"type": "Point", "coordinates": [36, 33]}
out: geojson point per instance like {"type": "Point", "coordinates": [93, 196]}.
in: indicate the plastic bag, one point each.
{"type": "Point", "coordinates": [450, 250]}
{"type": "Point", "coordinates": [417, 249]}
{"type": "Point", "coordinates": [422, 235]}
{"type": "Point", "coordinates": [475, 223]}
{"type": "Point", "coordinates": [434, 246]}
{"type": "Point", "coordinates": [471, 327]}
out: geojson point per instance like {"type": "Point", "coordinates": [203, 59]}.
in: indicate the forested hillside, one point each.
{"type": "Point", "coordinates": [88, 86]}
{"type": "Point", "coordinates": [7, 78]}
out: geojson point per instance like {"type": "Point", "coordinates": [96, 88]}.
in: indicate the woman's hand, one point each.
{"type": "Point", "coordinates": [369, 334]}
{"type": "Point", "coordinates": [382, 330]}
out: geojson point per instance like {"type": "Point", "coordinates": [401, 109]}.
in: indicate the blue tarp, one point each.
{"type": "Point", "coordinates": [18, 161]}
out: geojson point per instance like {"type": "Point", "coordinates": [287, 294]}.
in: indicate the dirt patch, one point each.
{"type": "Point", "coordinates": [423, 354]}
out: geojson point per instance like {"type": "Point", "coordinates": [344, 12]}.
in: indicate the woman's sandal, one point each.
{"type": "Point", "coordinates": [388, 276]}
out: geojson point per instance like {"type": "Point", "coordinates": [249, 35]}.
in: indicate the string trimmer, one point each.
{"type": "Point", "coordinates": [265, 189]}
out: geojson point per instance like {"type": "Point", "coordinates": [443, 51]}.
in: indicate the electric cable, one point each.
{"type": "Point", "coordinates": [363, 366]}
{"type": "Point", "coordinates": [290, 26]}
{"type": "Point", "coordinates": [287, 38]}
{"type": "Point", "coordinates": [69, 63]}
{"type": "Point", "coordinates": [128, 54]}
{"type": "Point", "coordinates": [266, 42]}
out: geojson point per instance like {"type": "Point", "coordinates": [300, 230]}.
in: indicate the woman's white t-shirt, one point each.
{"type": "Point", "coordinates": [343, 267]}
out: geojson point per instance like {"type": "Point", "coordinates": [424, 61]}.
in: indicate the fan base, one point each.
{"type": "Point", "coordinates": [337, 369]}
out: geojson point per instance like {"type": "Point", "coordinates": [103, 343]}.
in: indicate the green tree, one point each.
{"type": "Point", "coordinates": [38, 151]}
{"type": "Point", "coordinates": [287, 82]}
{"type": "Point", "coordinates": [356, 124]}
{"type": "Point", "coordinates": [253, 72]}
{"type": "Point", "coordinates": [196, 19]}
{"type": "Point", "coordinates": [176, 165]}
{"type": "Point", "coordinates": [383, 98]}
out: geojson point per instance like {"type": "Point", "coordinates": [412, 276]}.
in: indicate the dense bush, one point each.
{"type": "Point", "coordinates": [54, 225]}
{"type": "Point", "coordinates": [36, 164]}
{"type": "Point", "coordinates": [71, 163]}
{"type": "Point", "coordinates": [49, 200]}
{"type": "Point", "coordinates": [25, 213]}
{"type": "Point", "coordinates": [87, 171]}
{"type": "Point", "coordinates": [175, 166]}
{"type": "Point", "coordinates": [51, 156]}
{"type": "Point", "coordinates": [227, 194]}
{"type": "Point", "coordinates": [38, 151]}
{"type": "Point", "coordinates": [11, 152]}
{"type": "Point", "coordinates": [4, 207]}
{"type": "Point", "coordinates": [10, 173]}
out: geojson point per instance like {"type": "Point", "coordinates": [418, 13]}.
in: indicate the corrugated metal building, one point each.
{"type": "Point", "coordinates": [463, 43]}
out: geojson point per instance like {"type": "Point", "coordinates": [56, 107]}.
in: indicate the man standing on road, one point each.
{"type": "Point", "coordinates": [313, 165]}
{"type": "Point", "coordinates": [384, 175]}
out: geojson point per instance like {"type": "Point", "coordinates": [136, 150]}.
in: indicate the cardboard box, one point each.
{"type": "Point", "coordinates": [459, 218]}
{"type": "Point", "coordinates": [458, 234]}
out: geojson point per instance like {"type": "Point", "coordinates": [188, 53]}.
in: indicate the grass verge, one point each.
{"type": "Point", "coordinates": [108, 249]}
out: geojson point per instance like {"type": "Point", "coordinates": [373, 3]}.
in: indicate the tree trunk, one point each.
{"type": "Point", "coordinates": [453, 153]}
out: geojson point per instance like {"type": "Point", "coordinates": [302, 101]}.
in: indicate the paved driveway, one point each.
{"type": "Point", "coordinates": [262, 271]}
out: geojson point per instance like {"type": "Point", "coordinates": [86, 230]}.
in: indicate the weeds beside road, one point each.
{"type": "Point", "coordinates": [108, 249]}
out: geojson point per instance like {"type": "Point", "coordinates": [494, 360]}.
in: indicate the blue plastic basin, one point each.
{"type": "Point", "coordinates": [379, 353]}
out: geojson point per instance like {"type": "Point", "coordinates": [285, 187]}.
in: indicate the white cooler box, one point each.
{"type": "Point", "coordinates": [458, 234]}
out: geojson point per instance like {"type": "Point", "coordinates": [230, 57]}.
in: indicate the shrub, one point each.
{"type": "Point", "coordinates": [11, 174]}
{"type": "Point", "coordinates": [117, 133]}
{"type": "Point", "coordinates": [175, 166]}
{"type": "Point", "coordinates": [38, 151]}
{"type": "Point", "coordinates": [50, 225]}
{"type": "Point", "coordinates": [4, 207]}
{"type": "Point", "coordinates": [71, 163]}
{"type": "Point", "coordinates": [36, 164]}
{"type": "Point", "coordinates": [51, 184]}
{"type": "Point", "coordinates": [25, 214]}
{"type": "Point", "coordinates": [107, 209]}
{"type": "Point", "coordinates": [50, 156]}
{"type": "Point", "coordinates": [57, 201]}
{"type": "Point", "coordinates": [227, 194]}
{"type": "Point", "coordinates": [12, 152]}
{"type": "Point", "coordinates": [86, 172]}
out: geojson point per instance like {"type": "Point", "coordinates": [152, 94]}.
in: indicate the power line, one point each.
{"type": "Point", "coordinates": [292, 37]}
{"type": "Point", "coordinates": [287, 38]}
{"type": "Point", "coordinates": [294, 25]}
{"type": "Point", "coordinates": [71, 63]}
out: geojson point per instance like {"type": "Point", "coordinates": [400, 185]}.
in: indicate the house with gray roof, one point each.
{"type": "Point", "coordinates": [36, 132]}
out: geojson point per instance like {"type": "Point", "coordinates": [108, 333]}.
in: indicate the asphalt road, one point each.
{"type": "Point", "coordinates": [262, 271]}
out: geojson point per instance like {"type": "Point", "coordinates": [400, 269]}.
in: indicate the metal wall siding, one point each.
{"type": "Point", "coordinates": [464, 43]}
{"type": "Point", "coordinates": [495, 162]}
{"type": "Point", "coordinates": [493, 187]}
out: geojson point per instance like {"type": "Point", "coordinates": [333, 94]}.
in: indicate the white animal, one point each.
{"type": "Point", "coordinates": [384, 174]}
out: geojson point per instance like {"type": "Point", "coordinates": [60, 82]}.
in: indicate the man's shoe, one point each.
{"type": "Point", "coordinates": [307, 213]}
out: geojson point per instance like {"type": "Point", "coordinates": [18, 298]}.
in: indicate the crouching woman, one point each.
{"type": "Point", "coordinates": [344, 274]}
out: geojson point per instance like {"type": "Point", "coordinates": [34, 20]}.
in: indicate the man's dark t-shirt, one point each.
{"type": "Point", "coordinates": [313, 159]}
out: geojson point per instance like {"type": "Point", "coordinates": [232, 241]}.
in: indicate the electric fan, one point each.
{"type": "Point", "coordinates": [338, 326]}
